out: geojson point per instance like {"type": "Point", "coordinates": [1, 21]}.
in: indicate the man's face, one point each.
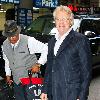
{"type": "Point", "coordinates": [62, 22]}
{"type": "Point", "coordinates": [14, 39]}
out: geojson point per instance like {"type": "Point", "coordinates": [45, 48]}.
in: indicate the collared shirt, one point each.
{"type": "Point", "coordinates": [59, 40]}
{"type": "Point", "coordinates": [34, 46]}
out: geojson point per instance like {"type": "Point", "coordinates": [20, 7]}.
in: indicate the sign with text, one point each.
{"type": "Point", "coordinates": [24, 16]}
{"type": "Point", "coordinates": [45, 3]}
{"type": "Point", "coordinates": [10, 1]}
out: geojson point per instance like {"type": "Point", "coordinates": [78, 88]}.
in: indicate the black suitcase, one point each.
{"type": "Point", "coordinates": [6, 91]}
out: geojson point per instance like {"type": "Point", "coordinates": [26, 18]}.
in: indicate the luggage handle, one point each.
{"type": "Point", "coordinates": [30, 74]}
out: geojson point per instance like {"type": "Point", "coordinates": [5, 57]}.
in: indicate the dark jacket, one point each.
{"type": "Point", "coordinates": [68, 74]}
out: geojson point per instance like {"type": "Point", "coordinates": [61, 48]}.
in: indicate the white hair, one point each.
{"type": "Point", "coordinates": [67, 10]}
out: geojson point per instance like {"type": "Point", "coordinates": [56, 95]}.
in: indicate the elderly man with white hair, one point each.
{"type": "Point", "coordinates": [68, 72]}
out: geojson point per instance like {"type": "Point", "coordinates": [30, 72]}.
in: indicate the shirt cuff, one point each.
{"type": "Point", "coordinates": [8, 73]}
{"type": "Point", "coordinates": [41, 62]}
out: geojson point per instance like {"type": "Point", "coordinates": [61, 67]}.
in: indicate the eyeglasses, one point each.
{"type": "Point", "coordinates": [63, 19]}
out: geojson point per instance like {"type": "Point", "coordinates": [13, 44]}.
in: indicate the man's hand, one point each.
{"type": "Point", "coordinates": [8, 80]}
{"type": "Point", "coordinates": [36, 68]}
{"type": "Point", "coordinates": [43, 96]}
{"type": "Point", "coordinates": [78, 98]}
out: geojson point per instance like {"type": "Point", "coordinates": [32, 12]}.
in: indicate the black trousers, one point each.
{"type": "Point", "coordinates": [19, 92]}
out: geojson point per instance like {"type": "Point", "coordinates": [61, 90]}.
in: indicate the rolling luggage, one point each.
{"type": "Point", "coordinates": [32, 86]}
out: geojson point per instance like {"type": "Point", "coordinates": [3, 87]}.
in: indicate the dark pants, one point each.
{"type": "Point", "coordinates": [19, 92]}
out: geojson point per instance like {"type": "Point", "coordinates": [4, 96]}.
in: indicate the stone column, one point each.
{"type": "Point", "coordinates": [99, 3]}
{"type": "Point", "coordinates": [26, 4]}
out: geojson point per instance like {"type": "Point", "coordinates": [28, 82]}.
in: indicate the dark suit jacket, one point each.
{"type": "Point", "coordinates": [68, 73]}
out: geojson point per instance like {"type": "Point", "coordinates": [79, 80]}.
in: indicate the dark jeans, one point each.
{"type": "Point", "coordinates": [19, 92]}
